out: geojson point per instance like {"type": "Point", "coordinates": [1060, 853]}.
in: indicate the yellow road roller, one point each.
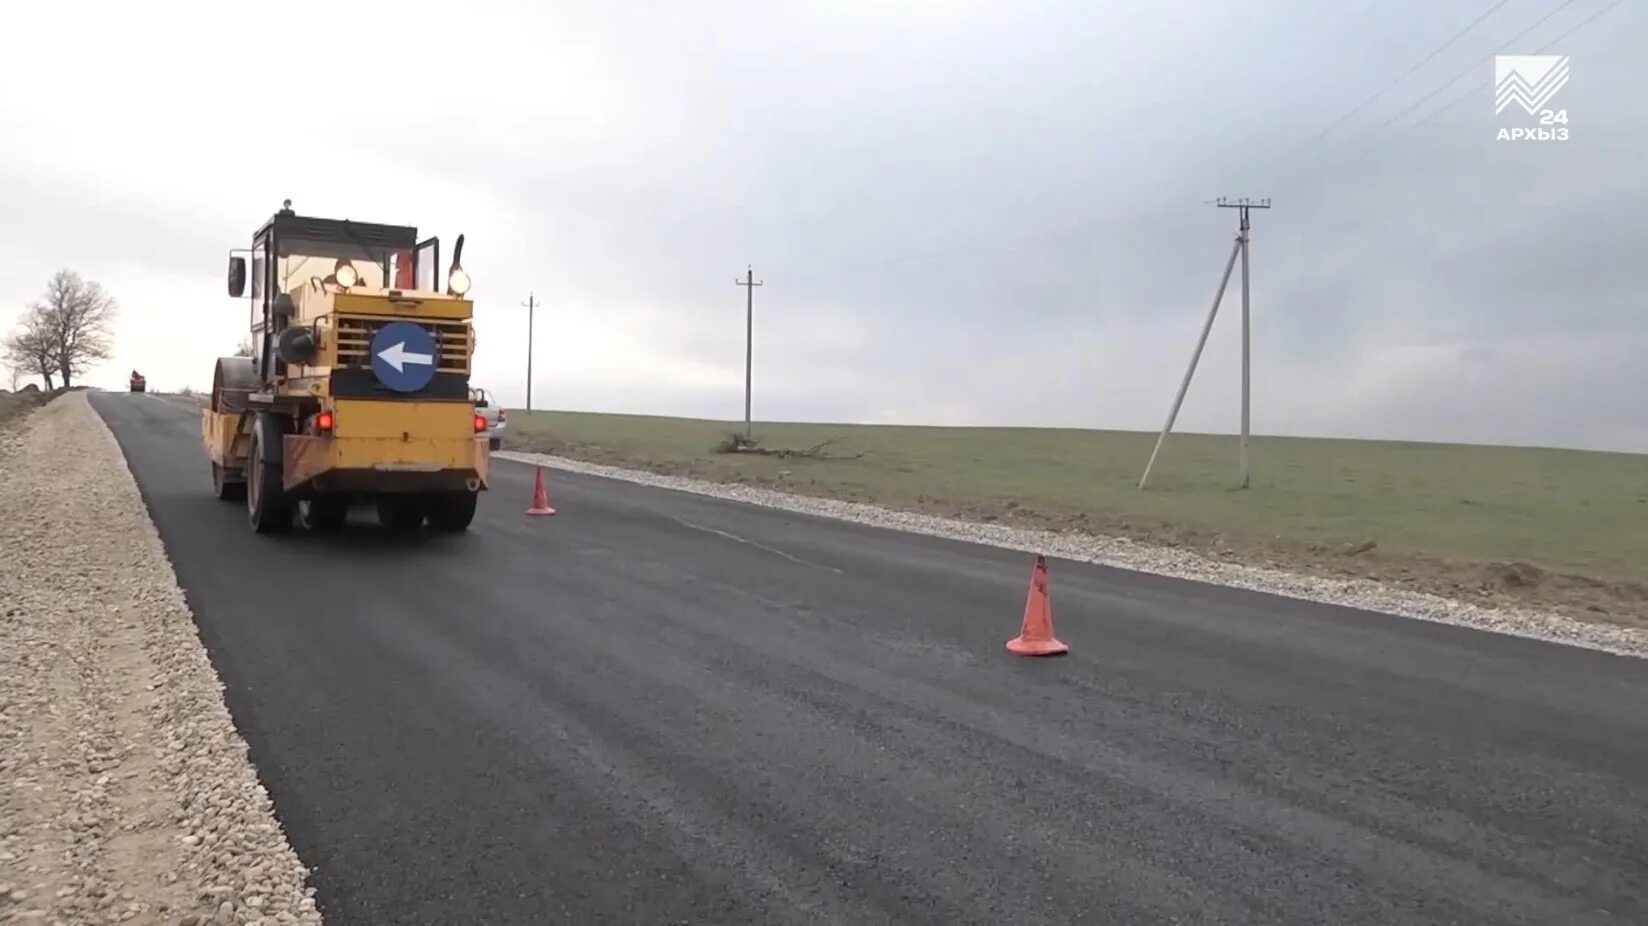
{"type": "Point", "coordinates": [357, 388]}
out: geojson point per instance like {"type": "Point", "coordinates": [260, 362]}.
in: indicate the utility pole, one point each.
{"type": "Point", "coordinates": [531, 303]}
{"type": "Point", "coordinates": [1244, 242]}
{"type": "Point", "coordinates": [749, 285]}
{"type": "Point", "coordinates": [1240, 249]}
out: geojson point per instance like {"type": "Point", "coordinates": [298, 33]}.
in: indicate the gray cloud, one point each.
{"type": "Point", "coordinates": [982, 215]}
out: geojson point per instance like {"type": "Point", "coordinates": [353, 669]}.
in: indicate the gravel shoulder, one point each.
{"type": "Point", "coordinates": [126, 794]}
{"type": "Point", "coordinates": [1366, 594]}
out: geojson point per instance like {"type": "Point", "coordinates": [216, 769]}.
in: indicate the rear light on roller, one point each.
{"type": "Point", "coordinates": [323, 422]}
{"type": "Point", "coordinates": [480, 423]}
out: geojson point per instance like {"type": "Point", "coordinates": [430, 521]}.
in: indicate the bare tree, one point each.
{"type": "Point", "coordinates": [75, 317]}
{"type": "Point", "coordinates": [245, 348]}
{"type": "Point", "coordinates": [29, 346]}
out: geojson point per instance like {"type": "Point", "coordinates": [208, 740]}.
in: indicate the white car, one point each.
{"type": "Point", "coordinates": [492, 412]}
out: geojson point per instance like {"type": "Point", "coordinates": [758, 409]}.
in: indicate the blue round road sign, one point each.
{"type": "Point", "coordinates": [403, 356]}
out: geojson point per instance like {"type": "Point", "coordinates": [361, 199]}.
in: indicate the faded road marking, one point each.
{"type": "Point", "coordinates": [759, 546]}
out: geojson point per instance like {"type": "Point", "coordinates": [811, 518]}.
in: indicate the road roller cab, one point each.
{"type": "Point", "coordinates": [357, 387]}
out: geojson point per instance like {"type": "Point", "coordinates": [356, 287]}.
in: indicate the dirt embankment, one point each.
{"type": "Point", "coordinates": [125, 791]}
{"type": "Point", "coordinates": [14, 405]}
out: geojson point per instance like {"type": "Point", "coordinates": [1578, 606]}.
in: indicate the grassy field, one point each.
{"type": "Point", "coordinates": [1557, 526]}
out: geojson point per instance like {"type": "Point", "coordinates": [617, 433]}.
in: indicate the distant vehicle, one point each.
{"type": "Point", "coordinates": [492, 412]}
{"type": "Point", "coordinates": [138, 383]}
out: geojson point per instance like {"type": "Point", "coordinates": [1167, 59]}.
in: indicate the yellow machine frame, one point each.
{"type": "Point", "coordinates": [311, 411]}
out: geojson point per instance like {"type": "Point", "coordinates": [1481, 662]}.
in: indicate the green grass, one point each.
{"type": "Point", "coordinates": [1568, 511]}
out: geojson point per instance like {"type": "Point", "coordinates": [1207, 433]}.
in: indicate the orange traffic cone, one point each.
{"type": "Point", "coordinates": [1036, 637]}
{"type": "Point", "coordinates": [540, 496]}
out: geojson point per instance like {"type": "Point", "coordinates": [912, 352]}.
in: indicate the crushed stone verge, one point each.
{"type": "Point", "coordinates": [126, 794]}
{"type": "Point", "coordinates": [1127, 554]}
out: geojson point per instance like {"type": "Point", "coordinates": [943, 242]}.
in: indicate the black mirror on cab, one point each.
{"type": "Point", "coordinates": [237, 277]}
{"type": "Point", "coordinates": [457, 280]}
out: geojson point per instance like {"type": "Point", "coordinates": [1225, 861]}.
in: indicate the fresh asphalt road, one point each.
{"type": "Point", "coordinates": [661, 708]}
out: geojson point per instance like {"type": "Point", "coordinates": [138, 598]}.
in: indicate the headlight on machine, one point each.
{"type": "Point", "coordinates": [347, 276]}
{"type": "Point", "coordinates": [457, 281]}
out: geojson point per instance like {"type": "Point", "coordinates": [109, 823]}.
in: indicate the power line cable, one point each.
{"type": "Point", "coordinates": [1083, 229]}
{"type": "Point", "coordinates": [1406, 74]}
{"type": "Point", "coordinates": [1429, 96]}
{"type": "Point", "coordinates": [1488, 83]}
{"type": "Point", "coordinates": [1484, 60]}
{"type": "Point", "coordinates": [1292, 153]}
{"type": "Point", "coordinates": [1477, 88]}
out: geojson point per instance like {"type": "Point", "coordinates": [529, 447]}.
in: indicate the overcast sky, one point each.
{"type": "Point", "coordinates": [992, 213]}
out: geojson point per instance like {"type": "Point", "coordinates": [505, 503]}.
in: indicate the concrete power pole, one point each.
{"type": "Point", "coordinates": [1240, 249]}
{"type": "Point", "coordinates": [531, 304]}
{"type": "Point", "coordinates": [749, 283]}
{"type": "Point", "coordinates": [1242, 206]}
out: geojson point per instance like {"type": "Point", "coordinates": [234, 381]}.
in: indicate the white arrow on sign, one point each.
{"type": "Point", "coordinates": [397, 356]}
